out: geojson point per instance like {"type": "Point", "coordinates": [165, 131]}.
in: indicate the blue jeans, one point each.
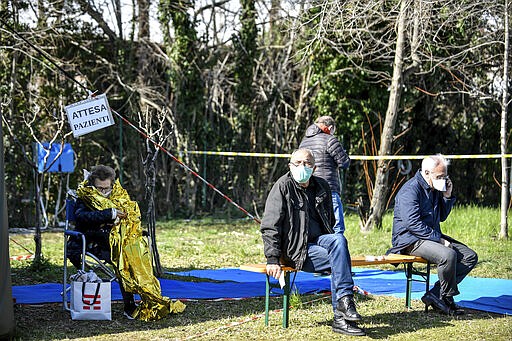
{"type": "Point", "coordinates": [338, 213]}
{"type": "Point", "coordinates": [330, 253]}
{"type": "Point", "coordinates": [453, 263]}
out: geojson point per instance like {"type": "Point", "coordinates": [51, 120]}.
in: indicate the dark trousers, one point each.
{"type": "Point", "coordinates": [330, 253]}
{"type": "Point", "coordinates": [453, 263]}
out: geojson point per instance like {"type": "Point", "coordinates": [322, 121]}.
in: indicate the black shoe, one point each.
{"type": "Point", "coordinates": [347, 308]}
{"type": "Point", "coordinates": [129, 310]}
{"type": "Point", "coordinates": [454, 308]}
{"type": "Point", "coordinates": [340, 325]}
{"type": "Point", "coordinates": [438, 304]}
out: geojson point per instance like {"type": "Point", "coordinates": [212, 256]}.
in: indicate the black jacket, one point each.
{"type": "Point", "coordinates": [96, 226]}
{"type": "Point", "coordinates": [329, 155]}
{"type": "Point", "coordinates": [284, 224]}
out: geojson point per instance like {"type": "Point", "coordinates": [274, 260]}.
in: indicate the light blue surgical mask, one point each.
{"type": "Point", "coordinates": [301, 173]}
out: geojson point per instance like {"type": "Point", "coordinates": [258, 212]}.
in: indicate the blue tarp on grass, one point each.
{"type": "Point", "coordinates": [487, 294]}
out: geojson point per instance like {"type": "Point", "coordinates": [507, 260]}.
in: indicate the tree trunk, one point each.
{"type": "Point", "coordinates": [144, 81]}
{"type": "Point", "coordinates": [150, 172]}
{"type": "Point", "coordinates": [503, 144]}
{"type": "Point", "coordinates": [378, 201]}
{"type": "Point", "coordinates": [37, 235]}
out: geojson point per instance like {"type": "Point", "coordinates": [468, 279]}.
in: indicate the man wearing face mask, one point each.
{"type": "Point", "coordinates": [421, 204]}
{"type": "Point", "coordinates": [297, 231]}
{"type": "Point", "coordinates": [330, 157]}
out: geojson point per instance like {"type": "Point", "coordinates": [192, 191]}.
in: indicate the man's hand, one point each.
{"type": "Point", "coordinates": [449, 188]}
{"type": "Point", "coordinates": [274, 270]}
{"type": "Point", "coordinates": [444, 242]}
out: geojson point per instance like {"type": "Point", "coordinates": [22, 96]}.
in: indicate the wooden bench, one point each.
{"type": "Point", "coordinates": [356, 261]}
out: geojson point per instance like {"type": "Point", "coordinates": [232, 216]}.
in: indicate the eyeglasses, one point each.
{"type": "Point", "coordinates": [103, 189]}
{"type": "Point", "coordinates": [439, 176]}
{"type": "Point", "coordinates": [306, 163]}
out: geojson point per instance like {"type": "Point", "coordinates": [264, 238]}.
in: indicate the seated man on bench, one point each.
{"type": "Point", "coordinates": [297, 231]}
{"type": "Point", "coordinates": [420, 205]}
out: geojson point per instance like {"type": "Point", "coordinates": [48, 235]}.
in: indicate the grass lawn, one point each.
{"type": "Point", "coordinates": [185, 245]}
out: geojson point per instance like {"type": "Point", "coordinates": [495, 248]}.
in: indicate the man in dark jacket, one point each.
{"type": "Point", "coordinates": [297, 232]}
{"type": "Point", "coordinates": [421, 204]}
{"type": "Point", "coordinates": [330, 157]}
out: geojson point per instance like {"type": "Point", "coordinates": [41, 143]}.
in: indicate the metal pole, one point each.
{"type": "Point", "coordinates": [121, 152]}
{"type": "Point", "coordinates": [6, 304]}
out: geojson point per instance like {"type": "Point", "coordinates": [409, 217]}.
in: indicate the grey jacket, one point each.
{"type": "Point", "coordinates": [329, 155]}
{"type": "Point", "coordinates": [284, 226]}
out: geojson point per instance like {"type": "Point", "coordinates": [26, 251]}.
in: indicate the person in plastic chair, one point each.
{"type": "Point", "coordinates": [96, 226]}
{"type": "Point", "coordinates": [297, 231]}
{"type": "Point", "coordinates": [420, 205]}
{"type": "Point", "coordinates": [110, 221]}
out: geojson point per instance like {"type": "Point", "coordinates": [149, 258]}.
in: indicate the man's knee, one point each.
{"type": "Point", "coordinates": [470, 259]}
{"type": "Point", "coordinates": [449, 256]}
{"type": "Point", "coordinates": [340, 241]}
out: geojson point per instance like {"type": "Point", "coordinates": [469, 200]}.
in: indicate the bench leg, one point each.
{"type": "Point", "coordinates": [267, 299]}
{"type": "Point", "coordinates": [286, 299]}
{"type": "Point", "coordinates": [427, 283]}
{"type": "Point", "coordinates": [408, 289]}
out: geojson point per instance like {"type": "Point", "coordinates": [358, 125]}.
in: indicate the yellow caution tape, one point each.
{"type": "Point", "coordinates": [357, 157]}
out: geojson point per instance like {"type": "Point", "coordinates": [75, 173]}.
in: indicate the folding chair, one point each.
{"type": "Point", "coordinates": [88, 259]}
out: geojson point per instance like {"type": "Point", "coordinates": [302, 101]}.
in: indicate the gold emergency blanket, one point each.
{"type": "Point", "coordinates": [130, 253]}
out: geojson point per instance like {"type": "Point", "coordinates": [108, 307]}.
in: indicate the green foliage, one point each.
{"type": "Point", "coordinates": [217, 99]}
{"type": "Point", "coordinates": [296, 299]}
{"type": "Point", "coordinates": [185, 69]}
{"type": "Point", "coordinates": [245, 45]}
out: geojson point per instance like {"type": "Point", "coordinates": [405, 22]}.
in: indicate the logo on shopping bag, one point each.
{"type": "Point", "coordinates": [91, 302]}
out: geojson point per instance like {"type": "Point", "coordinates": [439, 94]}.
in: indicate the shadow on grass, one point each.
{"type": "Point", "coordinates": [389, 324]}
{"type": "Point", "coordinates": [385, 325]}
{"type": "Point", "coordinates": [27, 273]}
{"type": "Point", "coordinates": [50, 321]}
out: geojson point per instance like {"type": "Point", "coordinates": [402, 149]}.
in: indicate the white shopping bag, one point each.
{"type": "Point", "coordinates": [90, 301]}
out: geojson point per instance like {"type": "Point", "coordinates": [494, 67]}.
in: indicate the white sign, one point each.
{"type": "Point", "coordinates": [89, 115]}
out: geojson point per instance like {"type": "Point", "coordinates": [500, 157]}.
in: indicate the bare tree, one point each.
{"type": "Point", "coordinates": [504, 113]}
{"type": "Point", "coordinates": [416, 38]}
{"type": "Point", "coordinates": [381, 179]}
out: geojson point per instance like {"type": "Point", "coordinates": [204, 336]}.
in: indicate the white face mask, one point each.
{"type": "Point", "coordinates": [439, 184]}
{"type": "Point", "coordinates": [106, 195]}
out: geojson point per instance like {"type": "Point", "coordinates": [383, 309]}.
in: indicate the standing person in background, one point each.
{"type": "Point", "coordinates": [329, 156]}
